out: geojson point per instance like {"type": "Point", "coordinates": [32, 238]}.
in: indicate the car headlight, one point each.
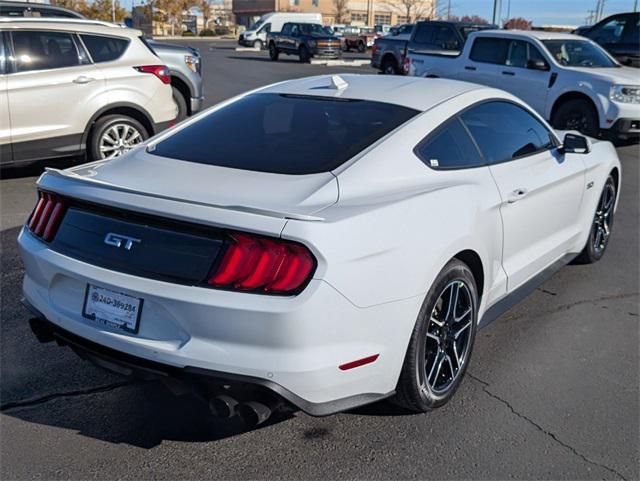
{"type": "Point", "coordinates": [626, 94]}
{"type": "Point", "coordinates": [192, 62]}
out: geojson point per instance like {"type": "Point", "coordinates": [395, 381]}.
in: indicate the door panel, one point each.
{"type": "Point", "coordinates": [541, 197]}
{"type": "Point", "coordinates": [541, 189]}
{"type": "Point", "coordinates": [49, 68]}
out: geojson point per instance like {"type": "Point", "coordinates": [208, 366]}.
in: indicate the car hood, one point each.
{"type": "Point", "coordinates": [286, 196]}
{"type": "Point", "coordinates": [616, 75]}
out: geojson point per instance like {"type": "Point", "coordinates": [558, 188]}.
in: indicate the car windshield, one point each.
{"type": "Point", "coordinates": [256, 25]}
{"type": "Point", "coordinates": [578, 53]}
{"type": "Point", "coordinates": [288, 134]}
{"type": "Point", "coordinates": [312, 28]}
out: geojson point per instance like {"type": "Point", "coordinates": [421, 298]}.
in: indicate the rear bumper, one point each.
{"type": "Point", "coordinates": [292, 346]}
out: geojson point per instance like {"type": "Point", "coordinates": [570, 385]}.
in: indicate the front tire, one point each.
{"type": "Point", "coordinates": [390, 67]}
{"type": "Point", "coordinates": [180, 101]}
{"type": "Point", "coordinates": [601, 226]}
{"type": "Point", "coordinates": [442, 341]}
{"type": "Point", "coordinates": [577, 114]}
{"type": "Point", "coordinates": [361, 47]}
{"type": "Point", "coordinates": [303, 54]}
{"type": "Point", "coordinates": [114, 135]}
{"type": "Point", "coordinates": [257, 44]}
{"type": "Point", "coordinates": [273, 52]}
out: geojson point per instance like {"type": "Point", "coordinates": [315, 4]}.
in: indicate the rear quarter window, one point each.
{"type": "Point", "coordinates": [105, 49]}
{"type": "Point", "coordinates": [489, 50]}
{"type": "Point", "coordinates": [284, 134]}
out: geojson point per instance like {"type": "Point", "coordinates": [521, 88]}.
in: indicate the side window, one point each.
{"type": "Point", "coordinates": [489, 50]}
{"type": "Point", "coordinates": [449, 147]}
{"type": "Point", "coordinates": [104, 49]}
{"type": "Point", "coordinates": [286, 30]}
{"type": "Point", "coordinates": [295, 31]}
{"type": "Point", "coordinates": [36, 50]}
{"type": "Point", "coordinates": [631, 32]}
{"type": "Point", "coordinates": [424, 33]}
{"type": "Point", "coordinates": [517, 54]}
{"type": "Point", "coordinates": [535, 55]}
{"type": "Point", "coordinates": [505, 131]}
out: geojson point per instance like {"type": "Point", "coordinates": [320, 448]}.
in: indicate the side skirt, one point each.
{"type": "Point", "coordinates": [523, 291]}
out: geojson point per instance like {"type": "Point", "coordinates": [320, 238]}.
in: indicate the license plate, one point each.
{"type": "Point", "coordinates": [112, 309]}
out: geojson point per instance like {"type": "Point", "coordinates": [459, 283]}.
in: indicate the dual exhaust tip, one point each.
{"type": "Point", "coordinates": [252, 413]}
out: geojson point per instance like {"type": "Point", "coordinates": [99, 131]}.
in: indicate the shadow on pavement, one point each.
{"type": "Point", "coordinates": [33, 169]}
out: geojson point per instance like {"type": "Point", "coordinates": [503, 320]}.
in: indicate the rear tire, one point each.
{"type": "Point", "coordinates": [390, 67]}
{"type": "Point", "coordinates": [577, 114]}
{"type": "Point", "coordinates": [303, 54]}
{"type": "Point", "coordinates": [442, 341]}
{"type": "Point", "coordinates": [273, 52]}
{"type": "Point", "coordinates": [361, 47]}
{"type": "Point", "coordinates": [600, 231]}
{"type": "Point", "coordinates": [117, 131]}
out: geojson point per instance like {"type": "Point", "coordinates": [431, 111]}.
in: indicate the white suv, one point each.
{"type": "Point", "coordinates": [69, 87]}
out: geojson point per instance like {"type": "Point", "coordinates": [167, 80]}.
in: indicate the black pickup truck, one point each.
{"type": "Point", "coordinates": [306, 40]}
{"type": "Point", "coordinates": [389, 52]}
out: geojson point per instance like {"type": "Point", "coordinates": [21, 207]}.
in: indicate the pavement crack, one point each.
{"type": "Point", "coordinates": [485, 386]}
{"type": "Point", "coordinates": [49, 397]}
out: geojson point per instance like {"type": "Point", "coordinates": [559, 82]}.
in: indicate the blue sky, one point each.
{"type": "Point", "coordinates": [564, 12]}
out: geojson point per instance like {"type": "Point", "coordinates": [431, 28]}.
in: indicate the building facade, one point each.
{"type": "Point", "coordinates": [358, 12]}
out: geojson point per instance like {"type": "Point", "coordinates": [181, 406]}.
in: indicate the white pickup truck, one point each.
{"type": "Point", "coordinates": [568, 79]}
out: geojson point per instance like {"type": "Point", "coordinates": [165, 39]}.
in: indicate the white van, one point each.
{"type": "Point", "coordinates": [256, 35]}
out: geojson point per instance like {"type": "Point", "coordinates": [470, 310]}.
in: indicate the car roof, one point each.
{"type": "Point", "coordinates": [72, 24]}
{"type": "Point", "coordinates": [538, 34]}
{"type": "Point", "coordinates": [413, 92]}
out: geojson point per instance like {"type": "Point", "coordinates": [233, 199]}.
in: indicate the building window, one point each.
{"type": "Point", "coordinates": [314, 3]}
{"type": "Point", "coordinates": [294, 3]}
{"type": "Point", "coordinates": [359, 17]}
{"type": "Point", "coordinates": [382, 19]}
{"type": "Point", "coordinates": [403, 19]}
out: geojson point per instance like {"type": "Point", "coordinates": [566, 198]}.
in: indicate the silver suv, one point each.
{"type": "Point", "coordinates": [69, 87]}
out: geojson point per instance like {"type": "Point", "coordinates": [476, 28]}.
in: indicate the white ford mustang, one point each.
{"type": "Point", "coordinates": [320, 243]}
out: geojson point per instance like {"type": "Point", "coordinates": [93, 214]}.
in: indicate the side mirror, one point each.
{"type": "Point", "coordinates": [576, 144]}
{"type": "Point", "coordinates": [537, 65]}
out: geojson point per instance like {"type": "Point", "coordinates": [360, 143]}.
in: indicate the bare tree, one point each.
{"type": "Point", "coordinates": [414, 9]}
{"type": "Point", "coordinates": [341, 7]}
{"type": "Point", "coordinates": [517, 24]}
{"type": "Point", "coordinates": [474, 19]}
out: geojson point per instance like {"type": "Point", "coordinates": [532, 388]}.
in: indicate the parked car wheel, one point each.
{"type": "Point", "coordinates": [257, 44]}
{"type": "Point", "coordinates": [442, 340]}
{"type": "Point", "coordinates": [390, 67]}
{"type": "Point", "coordinates": [577, 114]}
{"type": "Point", "coordinates": [181, 102]}
{"type": "Point", "coordinates": [114, 135]}
{"type": "Point", "coordinates": [273, 52]}
{"type": "Point", "coordinates": [303, 54]}
{"type": "Point", "coordinates": [361, 47]}
{"type": "Point", "coordinates": [601, 226]}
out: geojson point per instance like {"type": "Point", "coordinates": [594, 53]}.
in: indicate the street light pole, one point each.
{"type": "Point", "coordinates": [497, 7]}
{"type": "Point", "coordinates": [113, 11]}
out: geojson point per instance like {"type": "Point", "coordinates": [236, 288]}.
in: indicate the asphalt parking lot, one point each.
{"type": "Point", "coordinates": [552, 391]}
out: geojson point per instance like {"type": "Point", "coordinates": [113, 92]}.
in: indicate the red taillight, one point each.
{"type": "Point", "coordinates": [160, 71]}
{"type": "Point", "coordinates": [358, 362]}
{"type": "Point", "coordinates": [374, 49]}
{"type": "Point", "coordinates": [46, 216]}
{"type": "Point", "coordinates": [406, 65]}
{"type": "Point", "coordinates": [258, 263]}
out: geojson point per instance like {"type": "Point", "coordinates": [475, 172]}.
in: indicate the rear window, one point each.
{"type": "Point", "coordinates": [284, 134]}
{"type": "Point", "coordinates": [105, 49]}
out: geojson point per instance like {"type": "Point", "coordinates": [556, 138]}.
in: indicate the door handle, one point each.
{"type": "Point", "coordinates": [516, 195]}
{"type": "Point", "coordinates": [83, 80]}
{"type": "Point", "coordinates": [506, 72]}
{"type": "Point", "coordinates": [469, 68]}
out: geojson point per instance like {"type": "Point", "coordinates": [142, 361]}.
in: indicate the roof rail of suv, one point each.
{"type": "Point", "coordinates": [71, 21]}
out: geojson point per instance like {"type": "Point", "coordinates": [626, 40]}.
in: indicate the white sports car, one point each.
{"type": "Point", "coordinates": [320, 243]}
